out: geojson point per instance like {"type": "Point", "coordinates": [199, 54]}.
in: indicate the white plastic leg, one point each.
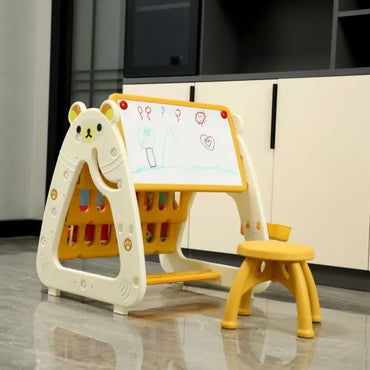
{"type": "Point", "coordinates": [120, 310]}
{"type": "Point", "coordinates": [54, 292]}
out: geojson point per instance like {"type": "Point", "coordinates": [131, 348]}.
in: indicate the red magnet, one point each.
{"type": "Point", "coordinates": [123, 104]}
{"type": "Point", "coordinates": [224, 114]}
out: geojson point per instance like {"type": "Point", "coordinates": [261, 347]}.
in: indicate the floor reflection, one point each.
{"type": "Point", "coordinates": [79, 348]}
{"type": "Point", "coordinates": [183, 336]}
{"type": "Point", "coordinates": [167, 334]}
{"type": "Point", "coordinates": [257, 348]}
{"type": "Point", "coordinates": [83, 340]}
{"type": "Point", "coordinates": [174, 327]}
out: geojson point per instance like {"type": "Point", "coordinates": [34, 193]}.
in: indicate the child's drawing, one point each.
{"type": "Point", "coordinates": [173, 155]}
{"type": "Point", "coordinates": [208, 142]}
{"type": "Point", "coordinates": [200, 117]}
{"type": "Point", "coordinates": [178, 114]}
{"type": "Point", "coordinates": [148, 110]}
{"type": "Point", "coordinates": [146, 140]}
{"type": "Point", "coordinates": [140, 111]}
{"type": "Point", "coordinates": [179, 144]}
{"type": "Point", "coordinates": [151, 157]}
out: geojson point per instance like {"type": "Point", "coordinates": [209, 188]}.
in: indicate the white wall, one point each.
{"type": "Point", "coordinates": [24, 91]}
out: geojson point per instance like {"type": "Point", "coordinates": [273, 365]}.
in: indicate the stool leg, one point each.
{"type": "Point", "coordinates": [304, 317]}
{"type": "Point", "coordinates": [312, 293]}
{"type": "Point", "coordinates": [257, 276]}
{"type": "Point", "coordinates": [229, 320]}
{"type": "Point", "coordinates": [245, 303]}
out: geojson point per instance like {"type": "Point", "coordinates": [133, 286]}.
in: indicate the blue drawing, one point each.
{"type": "Point", "coordinates": [163, 109]}
{"type": "Point", "coordinates": [145, 137]}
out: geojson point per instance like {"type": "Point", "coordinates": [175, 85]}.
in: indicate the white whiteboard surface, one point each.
{"type": "Point", "coordinates": [182, 145]}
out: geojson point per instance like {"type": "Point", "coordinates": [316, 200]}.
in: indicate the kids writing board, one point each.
{"type": "Point", "coordinates": [179, 145]}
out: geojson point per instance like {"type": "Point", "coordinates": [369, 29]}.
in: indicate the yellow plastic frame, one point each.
{"type": "Point", "coordinates": [161, 215]}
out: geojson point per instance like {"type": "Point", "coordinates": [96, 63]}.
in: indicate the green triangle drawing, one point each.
{"type": "Point", "coordinates": [173, 156]}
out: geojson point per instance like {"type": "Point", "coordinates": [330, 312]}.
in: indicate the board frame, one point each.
{"type": "Point", "coordinates": [116, 97]}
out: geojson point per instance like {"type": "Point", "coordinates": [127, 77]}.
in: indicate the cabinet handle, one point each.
{"type": "Point", "coordinates": [192, 93]}
{"type": "Point", "coordinates": [273, 115]}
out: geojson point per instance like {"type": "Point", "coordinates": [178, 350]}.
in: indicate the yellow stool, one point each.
{"type": "Point", "coordinates": [279, 262]}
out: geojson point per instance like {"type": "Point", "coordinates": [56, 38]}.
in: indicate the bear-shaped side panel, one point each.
{"type": "Point", "coordinates": [93, 138]}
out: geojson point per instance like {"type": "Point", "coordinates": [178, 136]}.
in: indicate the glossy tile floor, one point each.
{"type": "Point", "coordinates": [174, 327]}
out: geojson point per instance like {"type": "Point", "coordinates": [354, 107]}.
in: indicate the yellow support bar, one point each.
{"type": "Point", "coordinates": [182, 276]}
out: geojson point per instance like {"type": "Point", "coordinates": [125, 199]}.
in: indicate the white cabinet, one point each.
{"type": "Point", "coordinates": [252, 101]}
{"type": "Point", "coordinates": [317, 180]}
{"type": "Point", "coordinates": [214, 219]}
{"type": "Point", "coordinates": [179, 91]}
{"type": "Point", "coordinates": [322, 167]}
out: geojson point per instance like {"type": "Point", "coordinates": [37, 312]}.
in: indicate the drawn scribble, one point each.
{"type": "Point", "coordinates": [163, 109]}
{"type": "Point", "coordinates": [140, 110]}
{"type": "Point", "coordinates": [145, 137]}
{"type": "Point", "coordinates": [151, 157]}
{"type": "Point", "coordinates": [148, 110]}
{"type": "Point", "coordinates": [200, 117]}
{"type": "Point", "coordinates": [208, 142]}
{"type": "Point", "coordinates": [146, 140]}
{"type": "Point", "coordinates": [178, 114]}
{"type": "Point", "coordinates": [172, 155]}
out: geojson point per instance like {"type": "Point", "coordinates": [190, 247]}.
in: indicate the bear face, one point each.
{"type": "Point", "coordinates": [88, 133]}
{"type": "Point", "coordinates": [94, 137]}
{"type": "Point", "coordinates": [89, 123]}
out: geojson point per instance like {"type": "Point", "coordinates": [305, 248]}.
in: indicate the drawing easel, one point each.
{"type": "Point", "coordinates": [146, 157]}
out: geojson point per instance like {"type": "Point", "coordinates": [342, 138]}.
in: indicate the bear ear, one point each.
{"type": "Point", "coordinates": [110, 110]}
{"type": "Point", "coordinates": [75, 110]}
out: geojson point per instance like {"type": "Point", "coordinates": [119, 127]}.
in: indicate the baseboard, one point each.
{"type": "Point", "coordinates": [12, 228]}
{"type": "Point", "coordinates": [341, 277]}
{"type": "Point", "coordinates": [152, 258]}
{"type": "Point", "coordinates": [338, 277]}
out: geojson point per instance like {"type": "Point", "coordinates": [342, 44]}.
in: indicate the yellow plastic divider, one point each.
{"type": "Point", "coordinates": [89, 232]}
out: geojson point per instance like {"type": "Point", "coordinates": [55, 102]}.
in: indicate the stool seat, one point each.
{"type": "Point", "coordinates": [280, 262]}
{"type": "Point", "coordinates": [276, 251]}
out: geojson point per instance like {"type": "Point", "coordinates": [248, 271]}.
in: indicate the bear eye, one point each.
{"type": "Point", "coordinates": [78, 129]}
{"type": "Point", "coordinates": [99, 127]}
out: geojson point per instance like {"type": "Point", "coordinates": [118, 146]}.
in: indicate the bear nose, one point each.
{"type": "Point", "coordinates": [88, 134]}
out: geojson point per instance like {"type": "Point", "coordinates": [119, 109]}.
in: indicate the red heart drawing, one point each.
{"type": "Point", "coordinates": [207, 141]}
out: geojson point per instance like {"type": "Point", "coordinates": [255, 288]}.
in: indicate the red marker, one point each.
{"type": "Point", "coordinates": [123, 104]}
{"type": "Point", "coordinates": [224, 114]}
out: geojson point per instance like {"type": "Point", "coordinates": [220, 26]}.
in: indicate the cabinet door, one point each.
{"type": "Point", "coordinates": [214, 219]}
{"type": "Point", "coordinates": [179, 91]}
{"type": "Point", "coordinates": [322, 167]}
